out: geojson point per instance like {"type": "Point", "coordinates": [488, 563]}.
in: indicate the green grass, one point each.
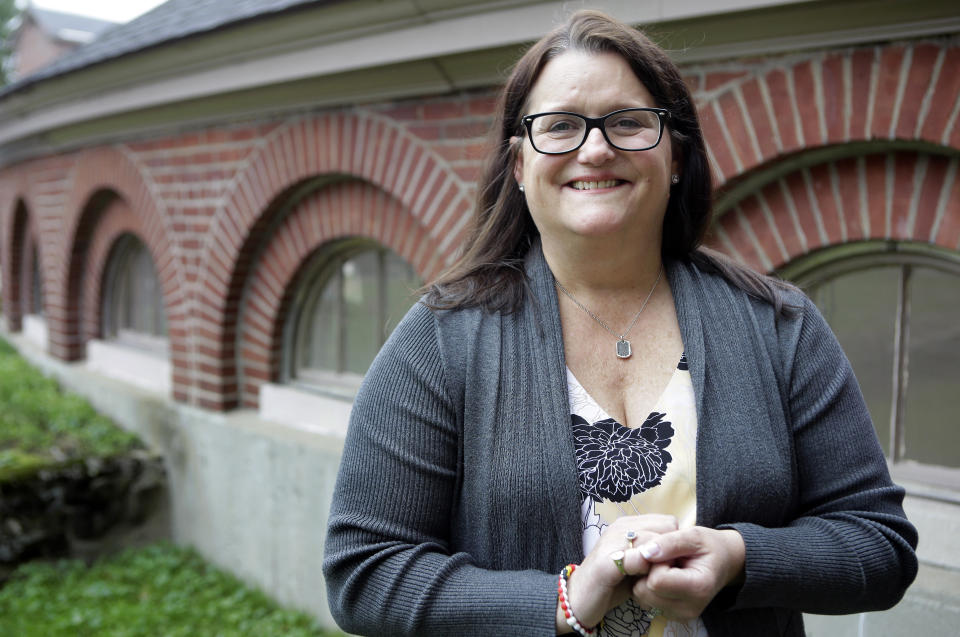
{"type": "Point", "coordinates": [41, 426]}
{"type": "Point", "coordinates": [157, 591]}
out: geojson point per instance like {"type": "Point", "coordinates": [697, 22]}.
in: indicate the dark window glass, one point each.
{"type": "Point", "coordinates": [895, 315]}
{"type": "Point", "coordinates": [133, 300]}
{"type": "Point", "coordinates": [861, 308]}
{"type": "Point", "coordinates": [931, 419]}
{"type": "Point", "coordinates": [355, 298]}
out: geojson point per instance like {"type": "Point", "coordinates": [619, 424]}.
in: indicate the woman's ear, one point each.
{"type": "Point", "coordinates": [517, 147]}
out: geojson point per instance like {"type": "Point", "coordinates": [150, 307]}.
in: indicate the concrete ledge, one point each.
{"type": "Point", "coordinates": [35, 330]}
{"type": "Point", "coordinates": [305, 410]}
{"type": "Point", "coordinates": [145, 369]}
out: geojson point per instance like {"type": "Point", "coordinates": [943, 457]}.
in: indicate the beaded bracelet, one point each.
{"type": "Point", "coordinates": [565, 603]}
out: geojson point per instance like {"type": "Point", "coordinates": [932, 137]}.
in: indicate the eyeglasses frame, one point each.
{"type": "Point", "coordinates": [595, 122]}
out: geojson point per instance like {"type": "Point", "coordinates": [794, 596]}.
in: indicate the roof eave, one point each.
{"type": "Point", "coordinates": [425, 53]}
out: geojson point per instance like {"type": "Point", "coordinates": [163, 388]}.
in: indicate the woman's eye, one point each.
{"type": "Point", "coordinates": [628, 124]}
{"type": "Point", "coordinates": [561, 127]}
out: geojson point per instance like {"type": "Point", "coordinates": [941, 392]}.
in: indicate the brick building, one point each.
{"type": "Point", "coordinates": [44, 35]}
{"type": "Point", "coordinates": [211, 217]}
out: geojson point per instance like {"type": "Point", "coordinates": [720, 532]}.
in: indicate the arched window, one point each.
{"type": "Point", "coordinates": [354, 294]}
{"type": "Point", "coordinates": [133, 309]}
{"type": "Point", "coordinates": [894, 309]}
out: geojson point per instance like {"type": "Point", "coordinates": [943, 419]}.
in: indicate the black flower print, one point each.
{"type": "Point", "coordinates": [616, 462]}
{"type": "Point", "coordinates": [626, 620]}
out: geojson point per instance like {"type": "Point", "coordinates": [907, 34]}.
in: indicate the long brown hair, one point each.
{"type": "Point", "coordinates": [489, 271]}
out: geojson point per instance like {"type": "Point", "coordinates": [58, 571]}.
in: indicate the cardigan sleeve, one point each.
{"type": "Point", "coordinates": [389, 565]}
{"type": "Point", "coordinates": [850, 547]}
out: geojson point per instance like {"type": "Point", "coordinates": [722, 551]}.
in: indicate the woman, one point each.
{"type": "Point", "coordinates": [587, 386]}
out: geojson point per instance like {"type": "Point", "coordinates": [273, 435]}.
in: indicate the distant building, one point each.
{"type": "Point", "coordinates": [45, 35]}
{"type": "Point", "coordinates": [212, 216]}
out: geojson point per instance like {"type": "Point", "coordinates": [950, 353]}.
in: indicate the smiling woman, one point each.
{"type": "Point", "coordinates": [590, 423]}
{"type": "Point", "coordinates": [591, 201]}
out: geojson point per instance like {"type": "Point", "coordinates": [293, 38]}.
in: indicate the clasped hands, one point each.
{"type": "Point", "coordinates": [678, 571]}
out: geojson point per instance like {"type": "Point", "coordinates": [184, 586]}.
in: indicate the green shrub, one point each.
{"type": "Point", "coordinates": [158, 591]}
{"type": "Point", "coordinates": [42, 426]}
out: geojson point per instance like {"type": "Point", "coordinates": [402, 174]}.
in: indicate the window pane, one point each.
{"type": "Point", "coordinates": [123, 319]}
{"type": "Point", "coordinates": [133, 301]}
{"type": "Point", "coordinates": [322, 333]}
{"type": "Point", "coordinates": [142, 292]}
{"type": "Point", "coordinates": [402, 283]}
{"type": "Point", "coordinates": [861, 308]}
{"type": "Point", "coordinates": [931, 424]}
{"type": "Point", "coordinates": [365, 293]}
{"type": "Point", "coordinates": [361, 311]}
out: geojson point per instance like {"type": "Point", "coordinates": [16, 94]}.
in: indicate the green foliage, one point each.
{"type": "Point", "coordinates": [42, 426]}
{"type": "Point", "coordinates": [159, 591]}
{"type": "Point", "coordinates": [8, 11]}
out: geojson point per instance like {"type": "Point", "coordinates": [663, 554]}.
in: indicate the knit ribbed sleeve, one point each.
{"type": "Point", "coordinates": [389, 565]}
{"type": "Point", "coordinates": [849, 547]}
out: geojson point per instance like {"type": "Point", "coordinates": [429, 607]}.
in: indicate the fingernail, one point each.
{"type": "Point", "coordinates": [650, 550]}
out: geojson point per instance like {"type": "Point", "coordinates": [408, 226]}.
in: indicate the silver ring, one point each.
{"type": "Point", "coordinates": [654, 612]}
{"type": "Point", "coordinates": [617, 557]}
{"type": "Point", "coordinates": [631, 535]}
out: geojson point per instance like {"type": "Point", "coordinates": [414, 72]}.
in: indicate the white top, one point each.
{"type": "Point", "coordinates": [630, 471]}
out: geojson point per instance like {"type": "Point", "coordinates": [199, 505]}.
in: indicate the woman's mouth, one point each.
{"type": "Point", "coordinates": [595, 185]}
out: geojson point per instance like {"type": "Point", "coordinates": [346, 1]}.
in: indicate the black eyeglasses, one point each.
{"type": "Point", "coordinates": [559, 132]}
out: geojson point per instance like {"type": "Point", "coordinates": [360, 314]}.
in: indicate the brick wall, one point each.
{"type": "Point", "coordinates": [809, 151]}
{"type": "Point", "coordinates": [35, 49]}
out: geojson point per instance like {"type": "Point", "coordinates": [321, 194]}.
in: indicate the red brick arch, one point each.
{"type": "Point", "coordinates": [890, 195]}
{"type": "Point", "coordinates": [362, 146]}
{"type": "Point", "coordinates": [346, 209]}
{"type": "Point", "coordinates": [898, 92]}
{"type": "Point", "coordinates": [116, 220]}
{"type": "Point", "coordinates": [108, 188]}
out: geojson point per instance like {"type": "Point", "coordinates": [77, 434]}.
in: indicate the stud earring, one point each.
{"type": "Point", "coordinates": [675, 179]}
{"type": "Point", "coordinates": [520, 186]}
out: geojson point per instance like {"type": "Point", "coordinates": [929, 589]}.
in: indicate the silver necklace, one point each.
{"type": "Point", "coordinates": [623, 345]}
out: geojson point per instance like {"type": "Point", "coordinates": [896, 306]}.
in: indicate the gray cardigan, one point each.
{"type": "Point", "coordinates": [457, 501]}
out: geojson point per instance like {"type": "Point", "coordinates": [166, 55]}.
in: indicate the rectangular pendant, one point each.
{"type": "Point", "coordinates": [623, 348]}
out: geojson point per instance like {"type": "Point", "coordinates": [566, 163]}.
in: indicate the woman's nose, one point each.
{"type": "Point", "coordinates": [595, 148]}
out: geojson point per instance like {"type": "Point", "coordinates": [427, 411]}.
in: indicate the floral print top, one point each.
{"type": "Point", "coordinates": [630, 471]}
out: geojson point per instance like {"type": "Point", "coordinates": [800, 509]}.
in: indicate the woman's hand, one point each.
{"type": "Point", "coordinates": [598, 585]}
{"type": "Point", "coordinates": [688, 568]}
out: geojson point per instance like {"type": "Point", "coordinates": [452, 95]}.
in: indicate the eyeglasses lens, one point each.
{"type": "Point", "coordinates": [628, 130]}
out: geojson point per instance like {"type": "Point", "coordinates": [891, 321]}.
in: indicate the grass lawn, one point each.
{"type": "Point", "coordinates": [40, 426]}
{"type": "Point", "coordinates": [157, 591]}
